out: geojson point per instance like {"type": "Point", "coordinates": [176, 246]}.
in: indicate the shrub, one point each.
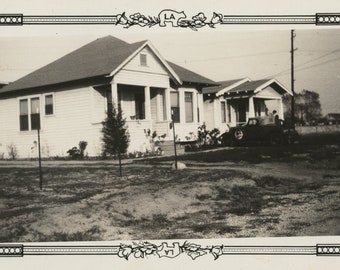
{"type": "Point", "coordinates": [82, 147]}
{"type": "Point", "coordinates": [77, 153]}
{"type": "Point", "coordinates": [208, 137]}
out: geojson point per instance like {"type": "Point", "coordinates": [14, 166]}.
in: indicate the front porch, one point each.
{"type": "Point", "coordinates": [255, 99]}
{"type": "Point", "coordinates": [242, 108]}
{"type": "Point", "coordinates": [147, 113]}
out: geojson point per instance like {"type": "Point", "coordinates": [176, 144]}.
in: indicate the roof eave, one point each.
{"type": "Point", "coordinates": [226, 89]}
{"type": "Point", "coordinates": [57, 85]}
{"type": "Point", "coordinates": [261, 87]}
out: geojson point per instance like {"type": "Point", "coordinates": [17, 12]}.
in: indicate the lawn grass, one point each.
{"type": "Point", "coordinates": [86, 203]}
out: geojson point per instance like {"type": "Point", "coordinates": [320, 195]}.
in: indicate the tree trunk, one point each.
{"type": "Point", "coordinates": [120, 164]}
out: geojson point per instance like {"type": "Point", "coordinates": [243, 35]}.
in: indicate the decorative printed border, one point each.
{"type": "Point", "coordinates": [144, 249]}
{"type": "Point", "coordinates": [169, 18]}
{"type": "Point", "coordinates": [172, 18]}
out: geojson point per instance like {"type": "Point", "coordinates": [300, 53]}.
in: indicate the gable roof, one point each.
{"type": "Point", "coordinates": [96, 58]}
{"type": "Point", "coordinates": [102, 57]}
{"type": "Point", "coordinates": [257, 86]}
{"type": "Point", "coordinates": [223, 86]}
{"type": "Point", "coordinates": [190, 76]}
{"type": "Point", "coordinates": [249, 86]}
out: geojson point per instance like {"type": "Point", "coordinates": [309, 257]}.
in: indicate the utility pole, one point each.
{"type": "Point", "coordinates": [292, 36]}
{"type": "Point", "coordinates": [174, 134]}
{"type": "Point", "coordinates": [40, 171]}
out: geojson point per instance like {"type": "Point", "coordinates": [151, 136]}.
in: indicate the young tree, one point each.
{"type": "Point", "coordinates": [115, 135]}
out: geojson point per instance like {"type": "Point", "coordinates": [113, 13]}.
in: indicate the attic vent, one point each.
{"type": "Point", "coordinates": [143, 61]}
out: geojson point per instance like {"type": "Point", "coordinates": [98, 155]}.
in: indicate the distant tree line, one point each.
{"type": "Point", "coordinates": [307, 107]}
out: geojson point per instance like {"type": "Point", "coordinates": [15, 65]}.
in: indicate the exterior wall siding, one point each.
{"type": "Point", "coordinates": [153, 65]}
{"type": "Point", "coordinates": [141, 79]}
{"type": "Point", "coordinates": [268, 92]}
{"type": "Point", "coordinates": [184, 129]}
{"type": "Point", "coordinates": [213, 114]}
{"type": "Point", "coordinates": [209, 114]}
{"type": "Point", "coordinates": [59, 132]}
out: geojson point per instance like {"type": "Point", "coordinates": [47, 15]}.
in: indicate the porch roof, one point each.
{"type": "Point", "coordinates": [223, 86]}
{"type": "Point", "coordinates": [98, 58]}
{"type": "Point", "coordinates": [256, 86]}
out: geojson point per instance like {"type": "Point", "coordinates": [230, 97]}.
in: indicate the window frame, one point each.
{"type": "Point", "coordinates": [229, 111]}
{"type": "Point", "coordinates": [33, 115]}
{"type": "Point", "coordinates": [53, 104]}
{"type": "Point", "coordinates": [223, 107]}
{"type": "Point", "coordinates": [27, 115]}
{"type": "Point", "coordinates": [192, 120]}
{"type": "Point", "coordinates": [178, 108]}
{"type": "Point", "coordinates": [143, 59]}
{"type": "Point", "coordinates": [29, 98]}
{"type": "Point", "coordinates": [140, 112]}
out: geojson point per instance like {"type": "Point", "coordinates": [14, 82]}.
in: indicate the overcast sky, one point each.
{"type": "Point", "coordinates": [218, 55]}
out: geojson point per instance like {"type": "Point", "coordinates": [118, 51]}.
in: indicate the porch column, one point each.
{"type": "Point", "coordinates": [181, 106]}
{"type": "Point", "coordinates": [147, 103]}
{"type": "Point", "coordinates": [114, 94]}
{"type": "Point", "coordinates": [233, 115]}
{"type": "Point", "coordinates": [251, 109]}
{"type": "Point", "coordinates": [201, 107]}
{"type": "Point", "coordinates": [280, 113]}
{"type": "Point", "coordinates": [194, 107]}
{"type": "Point", "coordinates": [168, 104]}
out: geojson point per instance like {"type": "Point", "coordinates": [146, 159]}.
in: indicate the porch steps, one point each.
{"type": "Point", "coordinates": [168, 148]}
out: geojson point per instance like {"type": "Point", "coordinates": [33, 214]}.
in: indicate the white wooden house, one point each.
{"type": "Point", "coordinates": [233, 102]}
{"type": "Point", "coordinates": [71, 95]}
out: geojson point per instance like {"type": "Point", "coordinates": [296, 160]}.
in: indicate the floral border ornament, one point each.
{"type": "Point", "coordinates": [166, 249]}
{"type": "Point", "coordinates": [169, 17]}
{"type": "Point", "coordinates": [144, 249]}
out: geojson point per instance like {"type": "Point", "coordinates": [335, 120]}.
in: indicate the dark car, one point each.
{"type": "Point", "coordinates": [260, 131]}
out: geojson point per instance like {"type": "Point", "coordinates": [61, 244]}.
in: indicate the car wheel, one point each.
{"type": "Point", "coordinates": [238, 135]}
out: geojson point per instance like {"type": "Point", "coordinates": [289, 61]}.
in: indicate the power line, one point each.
{"type": "Point", "coordinates": [303, 68]}
{"type": "Point", "coordinates": [320, 64]}
{"type": "Point", "coordinates": [229, 57]}
{"type": "Point", "coordinates": [305, 63]}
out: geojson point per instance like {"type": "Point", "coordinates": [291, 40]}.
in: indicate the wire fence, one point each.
{"type": "Point", "coordinates": [318, 129]}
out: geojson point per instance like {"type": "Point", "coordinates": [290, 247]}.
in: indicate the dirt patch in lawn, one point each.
{"type": "Point", "coordinates": [274, 197]}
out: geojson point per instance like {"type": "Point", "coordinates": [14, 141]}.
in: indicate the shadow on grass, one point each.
{"type": "Point", "coordinates": [92, 234]}
{"type": "Point", "coordinates": [312, 148]}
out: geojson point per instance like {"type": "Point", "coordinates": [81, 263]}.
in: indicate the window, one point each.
{"type": "Point", "coordinates": [162, 101]}
{"type": "Point", "coordinates": [142, 58]}
{"type": "Point", "coordinates": [174, 97]}
{"type": "Point", "coordinates": [189, 112]}
{"type": "Point", "coordinates": [223, 115]}
{"type": "Point", "coordinates": [29, 115]}
{"type": "Point", "coordinates": [23, 114]}
{"type": "Point", "coordinates": [140, 105]}
{"type": "Point", "coordinates": [35, 113]}
{"type": "Point", "coordinates": [48, 104]}
{"type": "Point", "coordinates": [229, 112]}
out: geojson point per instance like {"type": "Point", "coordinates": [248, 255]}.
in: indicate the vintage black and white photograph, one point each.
{"type": "Point", "coordinates": [170, 136]}
{"type": "Point", "coordinates": [158, 134]}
